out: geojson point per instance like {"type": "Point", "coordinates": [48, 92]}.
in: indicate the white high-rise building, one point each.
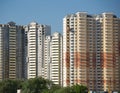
{"type": "Point", "coordinates": [56, 58]}
{"type": "Point", "coordinates": [35, 48]}
{"type": "Point", "coordinates": [53, 58]}
{"type": "Point", "coordinates": [47, 58]}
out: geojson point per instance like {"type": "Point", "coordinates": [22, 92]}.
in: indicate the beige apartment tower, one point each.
{"type": "Point", "coordinates": [91, 54]}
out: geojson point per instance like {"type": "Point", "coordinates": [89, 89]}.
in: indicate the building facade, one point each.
{"type": "Point", "coordinates": [11, 51]}
{"type": "Point", "coordinates": [47, 59]}
{"type": "Point", "coordinates": [56, 58]}
{"type": "Point", "coordinates": [35, 48]}
{"type": "Point", "coordinates": [91, 51]}
{"type": "Point", "coordinates": [53, 58]}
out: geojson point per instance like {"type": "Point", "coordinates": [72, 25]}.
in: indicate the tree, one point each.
{"type": "Point", "coordinates": [35, 85]}
{"type": "Point", "coordinates": [9, 86]}
{"type": "Point", "coordinates": [38, 85]}
{"type": "Point", "coordinates": [52, 89]}
{"type": "Point", "coordinates": [78, 89]}
{"type": "Point", "coordinates": [73, 89]}
{"type": "Point", "coordinates": [64, 90]}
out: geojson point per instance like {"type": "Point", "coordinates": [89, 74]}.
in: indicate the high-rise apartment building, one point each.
{"type": "Point", "coordinates": [53, 58]}
{"type": "Point", "coordinates": [56, 58]}
{"type": "Point", "coordinates": [91, 51]}
{"type": "Point", "coordinates": [35, 48]}
{"type": "Point", "coordinates": [12, 57]}
{"type": "Point", "coordinates": [47, 58]}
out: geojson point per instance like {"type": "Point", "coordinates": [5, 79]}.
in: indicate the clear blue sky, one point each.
{"type": "Point", "coordinates": [51, 12]}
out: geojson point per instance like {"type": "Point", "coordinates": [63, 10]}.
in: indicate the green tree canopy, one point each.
{"type": "Point", "coordinates": [73, 89]}
{"type": "Point", "coordinates": [10, 86]}
{"type": "Point", "coordinates": [35, 85]}
{"type": "Point", "coordinates": [38, 85]}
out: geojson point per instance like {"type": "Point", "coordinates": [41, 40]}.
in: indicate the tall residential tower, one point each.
{"type": "Point", "coordinates": [53, 58]}
{"type": "Point", "coordinates": [56, 58]}
{"type": "Point", "coordinates": [91, 54]}
{"type": "Point", "coordinates": [12, 58]}
{"type": "Point", "coordinates": [35, 48]}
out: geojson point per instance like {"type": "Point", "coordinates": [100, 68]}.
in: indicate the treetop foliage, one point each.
{"type": "Point", "coordinates": [38, 85]}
